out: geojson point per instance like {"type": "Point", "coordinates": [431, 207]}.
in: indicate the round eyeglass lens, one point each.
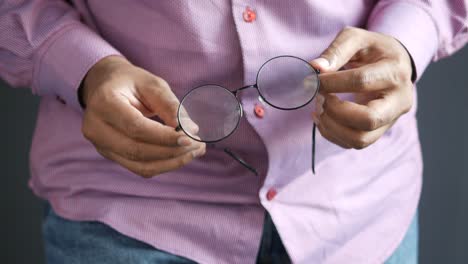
{"type": "Point", "coordinates": [287, 82]}
{"type": "Point", "coordinates": [209, 113]}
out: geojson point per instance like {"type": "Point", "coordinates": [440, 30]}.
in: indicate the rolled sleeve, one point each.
{"type": "Point", "coordinates": [412, 25]}
{"type": "Point", "coordinates": [63, 61]}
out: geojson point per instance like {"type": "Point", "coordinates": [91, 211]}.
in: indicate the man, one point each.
{"type": "Point", "coordinates": [130, 61]}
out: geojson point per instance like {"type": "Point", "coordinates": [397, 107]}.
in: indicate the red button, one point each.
{"type": "Point", "coordinates": [249, 15]}
{"type": "Point", "coordinates": [259, 111]}
{"type": "Point", "coordinates": [271, 194]}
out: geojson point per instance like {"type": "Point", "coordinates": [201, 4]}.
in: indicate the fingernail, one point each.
{"type": "Point", "coordinates": [197, 153]}
{"type": "Point", "coordinates": [322, 62]}
{"type": "Point", "coordinates": [318, 109]}
{"type": "Point", "coordinates": [319, 104]}
{"type": "Point", "coordinates": [183, 141]}
{"type": "Point", "coordinates": [315, 118]}
{"type": "Point", "coordinates": [320, 99]}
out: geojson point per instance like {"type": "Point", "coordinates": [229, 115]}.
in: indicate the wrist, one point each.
{"type": "Point", "coordinates": [411, 62]}
{"type": "Point", "coordinates": [97, 74]}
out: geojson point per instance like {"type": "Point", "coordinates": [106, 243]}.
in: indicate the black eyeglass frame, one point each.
{"type": "Point", "coordinates": [241, 111]}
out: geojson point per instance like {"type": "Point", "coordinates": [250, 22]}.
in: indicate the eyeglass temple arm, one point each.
{"type": "Point", "coordinates": [241, 161]}
{"type": "Point", "coordinates": [313, 147]}
{"type": "Point", "coordinates": [242, 88]}
{"type": "Point", "coordinates": [314, 129]}
{"type": "Point", "coordinates": [234, 156]}
{"type": "Point", "coordinates": [252, 169]}
{"type": "Point", "coordinates": [249, 167]}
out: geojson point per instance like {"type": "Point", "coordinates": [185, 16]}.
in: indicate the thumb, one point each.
{"type": "Point", "coordinates": [161, 101]}
{"type": "Point", "coordinates": [347, 43]}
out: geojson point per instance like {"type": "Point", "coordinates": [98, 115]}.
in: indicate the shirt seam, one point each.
{"type": "Point", "coordinates": [381, 6]}
{"type": "Point", "coordinates": [394, 246]}
{"type": "Point", "coordinates": [122, 230]}
{"type": "Point", "coordinates": [43, 50]}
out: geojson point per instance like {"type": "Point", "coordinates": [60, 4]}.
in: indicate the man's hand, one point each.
{"type": "Point", "coordinates": [378, 71]}
{"type": "Point", "coordinates": [119, 99]}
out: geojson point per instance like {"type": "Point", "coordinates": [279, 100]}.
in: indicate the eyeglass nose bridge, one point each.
{"type": "Point", "coordinates": [235, 92]}
{"type": "Point", "coordinates": [261, 98]}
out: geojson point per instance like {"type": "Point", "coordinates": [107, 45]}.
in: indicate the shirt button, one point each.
{"type": "Point", "coordinates": [259, 111]}
{"type": "Point", "coordinates": [249, 15]}
{"type": "Point", "coordinates": [271, 194]}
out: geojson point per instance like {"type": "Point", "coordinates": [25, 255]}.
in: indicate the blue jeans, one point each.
{"type": "Point", "coordinates": [74, 242]}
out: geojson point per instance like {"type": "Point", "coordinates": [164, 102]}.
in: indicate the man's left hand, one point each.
{"type": "Point", "coordinates": [377, 69]}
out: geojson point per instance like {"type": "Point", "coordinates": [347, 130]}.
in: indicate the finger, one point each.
{"type": "Point", "coordinates": [377, 113]}
{"type": "Point", "coordinates": [120, 114]}
{"type": "Point", "coordinates": [159, 98]}
{"type": "Point", "coordinates": [186, 122]}
{"type": "Point", "coordinates": [323, 131]}
{"type": "Point", "coordinates": [153, 168]}
{"type": "Point", "coordinates": [357, 139]}
{"type": "Point", "coordinates": [372, 77]}
{"type": "Point", "coordinates": [107, 138]}
{"type": "Point", "coordinates": [347, 43]}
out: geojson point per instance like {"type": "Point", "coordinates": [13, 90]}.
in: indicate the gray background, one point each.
{"type": "Point", "coordinates": [443, 122]}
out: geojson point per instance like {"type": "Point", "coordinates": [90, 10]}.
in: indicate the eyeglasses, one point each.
{"type": "Point", "coordinates": [211, 113]}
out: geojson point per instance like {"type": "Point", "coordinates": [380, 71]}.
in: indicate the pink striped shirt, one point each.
{"type": "Point", "coordinates": [356, 209]}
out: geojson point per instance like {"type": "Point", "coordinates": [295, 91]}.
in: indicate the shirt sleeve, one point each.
{"type": "Point", "coordinates": [43, 45]}
{"type": "Point", "coordinates": [429, 29]}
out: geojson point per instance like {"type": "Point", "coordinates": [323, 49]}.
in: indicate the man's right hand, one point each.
{"type": "Point", "coordinates": [119, 99]}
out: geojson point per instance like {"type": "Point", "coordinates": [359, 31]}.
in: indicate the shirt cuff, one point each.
{"type": "Point", "coordinates": [63, 61]}
{"type": "Point", "coordinates": [410, 24]}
